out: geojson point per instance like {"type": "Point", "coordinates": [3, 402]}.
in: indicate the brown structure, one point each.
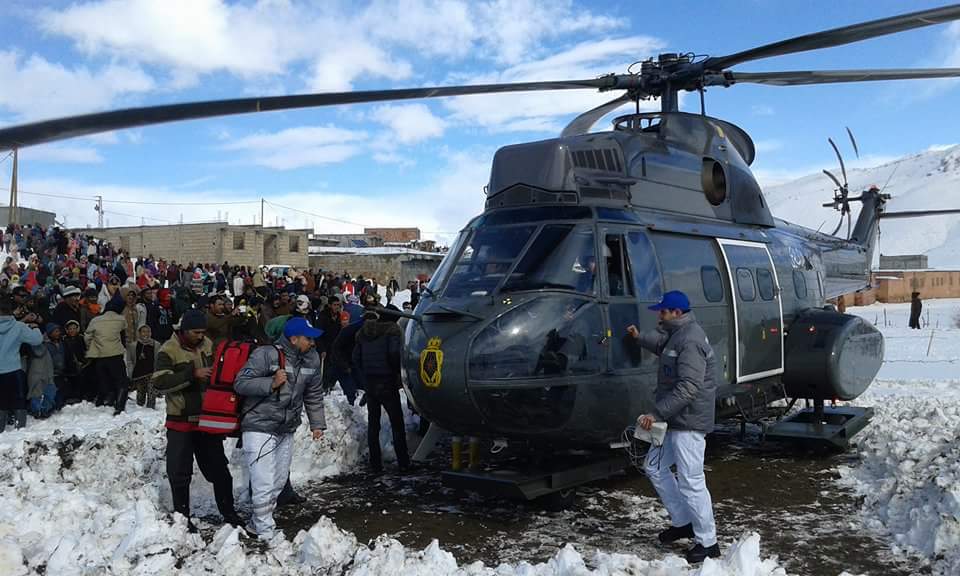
{"type": "Point", "coordinates": [405, 235]}
{"type": "Point", "coordinates": [381, 263]}
{"type": "Point", "coordinates": [896, 285]}
{"type": "Point", "coordinates": [212, 242]}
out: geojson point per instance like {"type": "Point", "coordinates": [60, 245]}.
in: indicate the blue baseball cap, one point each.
{"type": "Point", "coordinates": [300, 327]}
{"type": "Point", "coordinates": [672, 300]}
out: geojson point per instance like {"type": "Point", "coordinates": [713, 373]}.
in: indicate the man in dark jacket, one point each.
{"type": "Point", "coordinates": [686, 400]}
{"type": "Point", "coordinates": [916, 307]}
{"type": "Point", "coordinates": [69, 308]}
{"type": "Point", "coordinates": [183, 369]}
{"type": "Point", "coordinates": [376, 357]}
{"type": "Point", "coordinates": [276, 389]}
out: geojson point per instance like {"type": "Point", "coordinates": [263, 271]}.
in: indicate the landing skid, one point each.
{"type": "Point", "coordinates": [821, 426]}
{"type": "Point", "coordinates": [553, 483]}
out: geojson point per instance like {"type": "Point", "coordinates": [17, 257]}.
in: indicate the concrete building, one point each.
{"type": "Point", "coordinates": [213, 242]}
{"type": "Point", "coordinates": [904, 262]}
{"type": "Point", "coordinates": [27, 216]}
{"type": "Point", "coordinates": [897, 285]}
{"type": "Point", "coordinates": [405, 235]}
{"type": "Point", "coordinates": [404, 264]}
{"type": "Point", "coordinates": [346, 240]}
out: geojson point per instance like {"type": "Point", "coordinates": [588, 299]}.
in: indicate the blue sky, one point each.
{"type": "Point", "coordinates": [412, 163]}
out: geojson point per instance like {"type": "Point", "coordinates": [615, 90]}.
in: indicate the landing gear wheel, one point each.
{"type": "Point", "coordinates": [559, 500]}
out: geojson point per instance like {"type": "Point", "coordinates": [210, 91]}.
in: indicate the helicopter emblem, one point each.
{"type": "Point", "coordinates": [431, 363]}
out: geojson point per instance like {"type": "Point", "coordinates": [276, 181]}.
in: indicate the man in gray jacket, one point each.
{"type": "Point", "coordinates": [277, 383]}
{"type": "Point", "coordinates": [686, 400]}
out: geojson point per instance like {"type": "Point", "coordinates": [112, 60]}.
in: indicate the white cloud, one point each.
{"type": "Point", "coordinates": [410, 123]}
{"type": "Point", "coordinates": [763, 146]}
{"type": "Point", "coordinates": [299, 147]}
{"type": "Point", "coordinates": [36, 88]}
{"type": "Point", "coordinates": [762, 110]}
{"type": "Point", "coordinates": [541, 110]}
{"type": "Point", "coordinates": [62, 154]}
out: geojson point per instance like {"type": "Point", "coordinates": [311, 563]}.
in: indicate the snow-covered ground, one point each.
{"type": "Point", "coordinates": [86, 493]}
{"type": "Point", "coordinates": [909, 469]}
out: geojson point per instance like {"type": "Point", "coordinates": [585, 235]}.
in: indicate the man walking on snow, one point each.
{"type": "Point", "coordinates": [277, 382]}
{"type": "Point", "coordinates": [686, 400]}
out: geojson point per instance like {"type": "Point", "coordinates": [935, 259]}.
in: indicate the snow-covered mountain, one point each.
{"type": "Point", "coordinates": [926, 181]}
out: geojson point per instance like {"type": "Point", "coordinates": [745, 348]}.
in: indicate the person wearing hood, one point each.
{"type": "Point", "coordinates": [183, 369]}
{"type": "Point", "coordinates": [75, 366]}
{"type": "Point", "coordinates": [686, 400]}
{"type": "Point", "coordinates": [13, 380]}
{"type": "Point", "coordinates": [141, 363]}
{"type": "Point", "coordinates": [275, 393]}
{"type": "Point", "coordinates": [104, 341]}
{"type": "Point", "coordinates": [376, 357]}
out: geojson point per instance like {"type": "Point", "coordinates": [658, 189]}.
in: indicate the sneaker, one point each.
{"type": "Point", "coordinates": [697, 554]}
{"type": "Point", "coordinates": [674, 533]}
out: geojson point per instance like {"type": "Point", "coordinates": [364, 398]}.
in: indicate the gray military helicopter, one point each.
{"type": "Point", "coordinates": [520, 333]}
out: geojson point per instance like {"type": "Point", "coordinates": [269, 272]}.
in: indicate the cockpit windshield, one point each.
{"type": "Point", "coordinates": [486, 259]}
{"type": "Point", "coordinates": [561, 256]}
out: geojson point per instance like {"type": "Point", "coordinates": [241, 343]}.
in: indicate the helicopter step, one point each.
{"type": "Point", "coordinates": [821, 426]}
{"type": "Point", "coordinates": [552, 483]}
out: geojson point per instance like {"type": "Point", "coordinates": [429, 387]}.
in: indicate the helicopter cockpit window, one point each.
{"type": "Point", "coordinates": [486, 259]}
{"type": "Point", "coordinates": [440, 276]}
{"type": "Point", "coordinates": [646, 276]}
{"type": "Point", "coordinates": [549, 337]}
{"type": "Point", "coordinates": [619, 282]}
{"type": "Point", "coordinates": [562, 256]}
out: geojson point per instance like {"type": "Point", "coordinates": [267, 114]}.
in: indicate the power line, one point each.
{"type": "Point", "coordinates": [317, 215]}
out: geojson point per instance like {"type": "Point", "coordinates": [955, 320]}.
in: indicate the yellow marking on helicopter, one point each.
{"type": "Point", "coordinates": [431, 362]}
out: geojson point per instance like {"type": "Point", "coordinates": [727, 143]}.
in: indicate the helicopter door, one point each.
{"type": "Point", "coordinates": [757, 309]}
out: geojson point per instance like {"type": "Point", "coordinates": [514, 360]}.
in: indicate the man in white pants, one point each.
{"type": "Point", "coordinates": [686, 400]}
{"type": "Point", "coordinates": [277, 383]}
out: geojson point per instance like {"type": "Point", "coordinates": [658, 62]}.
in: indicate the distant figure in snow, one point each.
{"type": "Point", "coordinates": [916, 307]}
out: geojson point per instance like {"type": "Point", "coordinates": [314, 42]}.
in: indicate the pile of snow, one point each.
{"type": "Point", "coordinates": [85, 492]}
{"type": "Point", "coordinates": [909, 469]}
{"type": "Point", "coordinates": [925, 181]}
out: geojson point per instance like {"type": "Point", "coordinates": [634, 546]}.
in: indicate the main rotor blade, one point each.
{"type": "Point", "coordinates": [84, 125]}
{"type": "Point", "coordinates": [582, 123]}
{"type": "Point", "coordinates": [838, 36]}
{"type": "Point", "coordinates": [843, 169]}
{"type": "Point", "coordinates": [802, 77]}
{"type": "Point", "coordinates": [853, 141]}
{"type": "Point", "coordinates": [919, 213]}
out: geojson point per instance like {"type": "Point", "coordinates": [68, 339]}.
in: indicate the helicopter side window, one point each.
{"type": "Point", "coordinates": [643, 264]}
{"type": "Point", "coordinates": [748, 293]}
{"type": "Point", "coordinates": [618, 279]}
{"type": "Point", "coordinates": [486, 260]}
{"type": "Point", "coordinates": [799, 284]}
{"type": "Point", "coordinates": [765, 284]}
{"type": "Point", "coordinates": [562, 257]}
{"type": "Point", "coordinates": [712, 283]}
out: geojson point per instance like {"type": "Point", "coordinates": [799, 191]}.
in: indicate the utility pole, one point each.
{"type": "Point", "coordinates": [261, 212]}
{"type": "Point", "coordinates": [12, 216]}
{"type": "Point", "coordinates": [100, 212]}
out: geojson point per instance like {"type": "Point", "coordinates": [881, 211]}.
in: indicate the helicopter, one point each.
{"type": "Point", "coordinates": [521, 332]}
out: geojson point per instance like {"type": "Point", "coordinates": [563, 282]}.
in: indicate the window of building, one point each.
{"type": "Point", "coordinates": [294, 243]}
{"type": "Point", "coordinates": [712, 283]}
{"type": "Point", "coordinates": [765, 284]}
{"type": "Point", "coordinates": [748, 293]}
{"type": "Point", "coordinates": [238, 240]}
{"type": "Point", "coordinates": [799, 284]}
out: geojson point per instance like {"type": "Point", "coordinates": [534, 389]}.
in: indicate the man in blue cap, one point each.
{"type": "Point", "coordinates": [277, 383]}
{"type": "Point", "coordinates": [686, 400]}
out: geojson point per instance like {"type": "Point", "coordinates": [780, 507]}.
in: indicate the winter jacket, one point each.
{"type": "Point", "coordinates": [103, 338]}
{"type": "Point", "coordinates": [686, 391]}
{"type": "Point", "coordinates": [131, 355]}
{"type": "Point", "coordinates": [278, 412]}
{"type": "Point", "coordinates": [376, 354]}
{"type": "Point", "coordinates": [13, 333]}
{"type": "Point", "coordinates": [40, 372]}
{"type": "Point", "coordinates": [220, 327]}
{"type": "Point", "coordinates": [174, 379]}
{"type": "Point", "coordinates": [57, 352]}
{"type": "Point", "coordinates": [64, 313]}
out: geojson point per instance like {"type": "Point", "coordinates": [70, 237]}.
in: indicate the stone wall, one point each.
{"type": "Point", "coordinates": [896, 286]}
{"type": "Point", "coordinates": [403, 267]}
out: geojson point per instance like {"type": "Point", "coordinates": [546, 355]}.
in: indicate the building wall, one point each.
{"type": "Point", "coordinates": [904, 262]}
{"type": "Point", "coordinates": [394, 234]}
{"type": "Point", "coordinates": [208, 243]}
{"type": "Point", "coordinates": [896, 286]}
{"type": "Point", "coordinates": [403, 267]}
{"type": "Point", "coordinates": [27, 216]}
